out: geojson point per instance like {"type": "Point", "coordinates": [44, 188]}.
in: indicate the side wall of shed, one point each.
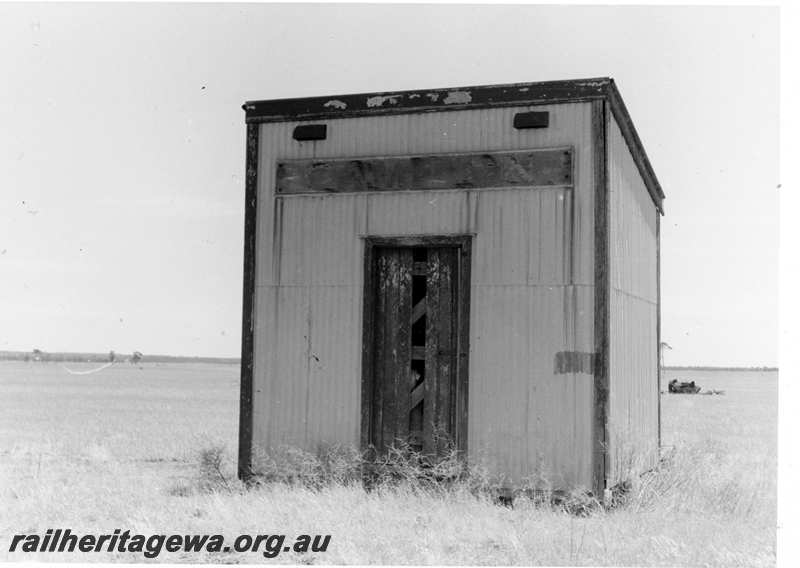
{"type": "Point", "coordinates": [633, 420]}
{"type": "Point", "coordinates": [532, 289]}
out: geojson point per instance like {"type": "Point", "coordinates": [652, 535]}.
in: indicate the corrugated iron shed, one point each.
{"type": "Point", "coordinates": [562, 277]}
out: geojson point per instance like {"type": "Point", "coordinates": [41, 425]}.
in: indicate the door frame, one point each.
{"type": "Point", "coordinates": [464, 243]}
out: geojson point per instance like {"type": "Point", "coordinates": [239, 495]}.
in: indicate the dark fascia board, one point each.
{"type": "Point", "coordinates": [463, 98]}
{"type": "Point", "coordinates": [430, 100]}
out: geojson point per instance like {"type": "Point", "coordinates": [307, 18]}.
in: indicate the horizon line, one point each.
{"type": "Point", "coordinates": [231, 359]}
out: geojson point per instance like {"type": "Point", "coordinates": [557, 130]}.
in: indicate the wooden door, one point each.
{"type": "Point", "coordinates": [415, 346]}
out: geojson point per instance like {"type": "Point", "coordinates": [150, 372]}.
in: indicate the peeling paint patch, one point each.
{"type": "Point", "coordinates": [524, 89]}
{"type": "Point", "coordinates": [574, 362]}
{"type": "Point", "coordinates": [413, 96]}
{"type": "Point", "coordinates": [457, 98]}
{"type": "Point", "coordinates": [335, 103]}
{"type": "Point", "coordinates": [379, 100]}
{"type": "Point", "coordinates": [433, 96]}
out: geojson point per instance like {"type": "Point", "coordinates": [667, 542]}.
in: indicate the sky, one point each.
{"type": "Point", "coordinates": [122, 151]}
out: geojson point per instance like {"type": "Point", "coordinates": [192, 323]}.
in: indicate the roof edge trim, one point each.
{"type": "Point", "coordinates": [429, 100]}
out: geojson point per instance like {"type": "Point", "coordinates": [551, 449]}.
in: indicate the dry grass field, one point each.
{"type": "Point", "coordinates": [120, 449]}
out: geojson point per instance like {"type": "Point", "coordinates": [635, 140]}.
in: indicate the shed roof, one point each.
{"type": "Point", "coordinates": [464, 98]}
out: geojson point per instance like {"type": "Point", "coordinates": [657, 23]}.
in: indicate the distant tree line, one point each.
{"type": "Point", "coordinates": [68, 357]}
{"type": "Point", "coordinates": [136, 357]}
{"type": "Point", "coordinates": [712, 368]}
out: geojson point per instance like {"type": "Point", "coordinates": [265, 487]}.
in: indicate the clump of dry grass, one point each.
{"type": "Point", "coordinates": [289, 465]}
{"type": "Point", "coordinates": [405, 469]}
{"type": "Point", "coordinates": [691, 478]}
{"type": "Point", "coordinates": [340, 465]}
{"type": "Point", "coordinates": [211, 475]}
{"type": "Point", "coordinates": [400, 467]}
{"type": "Point", "coordinates": [402, 464]}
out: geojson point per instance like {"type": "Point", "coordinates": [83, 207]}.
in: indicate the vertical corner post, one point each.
{"type": "Point", "coordinates": [248, 306]}
{"type": "Point", "coordinates": [601, 297]}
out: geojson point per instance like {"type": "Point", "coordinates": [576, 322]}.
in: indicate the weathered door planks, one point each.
{"type": "Point", "coordinates": [392, 344]}
{"type": "Point", "coordinates": [440, 348]}
{"type": "Point", "coordinates": [414, 385]}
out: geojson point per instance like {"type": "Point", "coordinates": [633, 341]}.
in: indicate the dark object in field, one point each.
{"type": "Point", "coordinates": [682, 387]}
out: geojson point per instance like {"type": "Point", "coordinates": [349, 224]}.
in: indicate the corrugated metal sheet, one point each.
{"type": "Point", "coordinates": [633, 399]}
{"type": "Point", "coordinates": [418, 213]}
{"type": "Point", "coordinates": [532, 295]}
{"type": "Point", "coordinates": [525, 420]}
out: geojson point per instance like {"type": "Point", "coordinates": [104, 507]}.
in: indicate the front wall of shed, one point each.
{"type": "Point", "coordinates": [532, 292]}
{"type": "Point", "coordinates": [633, 382]}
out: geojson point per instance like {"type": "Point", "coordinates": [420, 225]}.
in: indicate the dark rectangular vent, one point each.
{"type": "Point", "coordinates": [310, 132]}
{"type": "Point", "coordinates": [523, 120]}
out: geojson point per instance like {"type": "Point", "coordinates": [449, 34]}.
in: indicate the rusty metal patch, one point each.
{"type": "Point", "coordinates": [574, 362]}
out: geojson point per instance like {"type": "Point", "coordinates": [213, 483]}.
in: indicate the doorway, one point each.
{"type": "Point", "coordinates": [416, 329]}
